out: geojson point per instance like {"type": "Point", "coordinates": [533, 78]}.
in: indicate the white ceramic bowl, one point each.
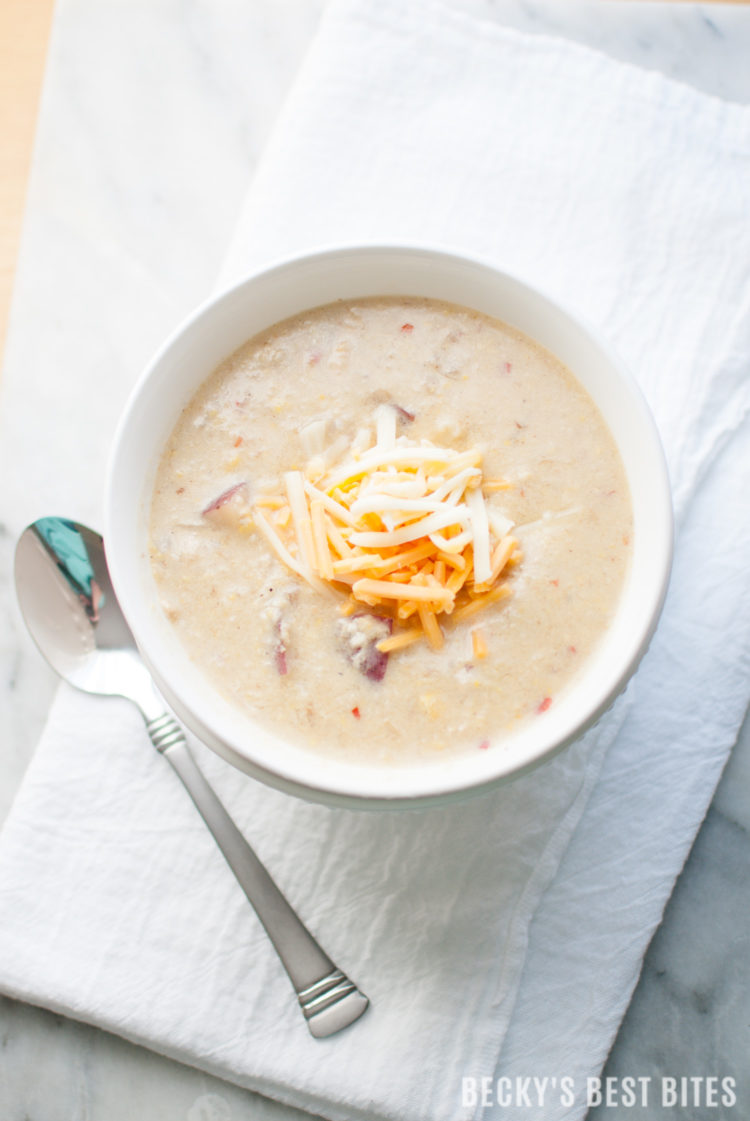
{"type": "Point", "coordinates": [218, 328]}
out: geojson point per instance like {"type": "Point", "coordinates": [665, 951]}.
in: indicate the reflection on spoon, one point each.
{"type": "Point", "coordinates": [67, 546]}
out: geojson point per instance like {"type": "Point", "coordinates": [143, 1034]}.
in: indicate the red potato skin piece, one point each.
{"type": "Point", "coordinates": [224, 497]}
{"type": "Point", "coordinates": [375, 662]}
{"type": "Point", "coordinates": [375, 665]}
{"type": "Point", "coordinates": [279, 657]}
{"type": "Point", "coordinates": [405, 415]}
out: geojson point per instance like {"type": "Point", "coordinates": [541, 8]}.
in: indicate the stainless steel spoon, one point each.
{"type": "Point", "coordinates": [70, 608]}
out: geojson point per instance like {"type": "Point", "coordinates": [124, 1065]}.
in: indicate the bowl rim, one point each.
{"type": "Point", "coordinates": [421, 784]}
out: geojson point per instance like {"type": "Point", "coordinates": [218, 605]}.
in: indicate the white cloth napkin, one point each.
{"type": "Point", "coordinates": [501, 936]}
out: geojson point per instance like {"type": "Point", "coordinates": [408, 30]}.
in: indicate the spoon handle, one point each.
{"type": "Point", "coordinates": [329, 1000]}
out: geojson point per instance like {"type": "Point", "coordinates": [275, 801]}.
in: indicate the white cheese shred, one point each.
{"type": "Point", "coordinates": [423, 528]}
{"type": "Point", "coordinates": [276, 543]}
{"type": "Point", "coordinates": [295, 490]}
{"type": "Point", "coordinates": [385, 422]}
{"type": "Point", "coordinates": [481, 530]}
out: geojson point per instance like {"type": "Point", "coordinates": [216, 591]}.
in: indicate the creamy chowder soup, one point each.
{"type": "Point", "coordinates": [391, 528]}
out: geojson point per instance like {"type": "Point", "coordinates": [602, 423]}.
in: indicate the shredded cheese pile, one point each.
{"type": "Point", "coordinates": [403, 526]}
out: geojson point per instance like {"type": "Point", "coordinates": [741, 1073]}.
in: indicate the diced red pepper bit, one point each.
{"type": "Point", "coordinates": [407, 327]}
{"type": "Point", "coordinates": [238, 441]}
{"type": "Point", "coordinates": [545, 704]}
{"type": "Point", "coordinates": [555, 582]}
{"type": "Point", "coordinates": [180, 490]}
{"type": "Point", "coordinates": [355, 712]}
{"type": "Point", "coordinates": [484, 745]}
{"type": "Point", "coordinates": [508, 367]}
{"type": "Point", "coordinates": [572, 649]}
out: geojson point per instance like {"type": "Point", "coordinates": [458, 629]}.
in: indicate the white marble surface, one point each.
{"type": "Point", "coordinates": [206, 81]}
